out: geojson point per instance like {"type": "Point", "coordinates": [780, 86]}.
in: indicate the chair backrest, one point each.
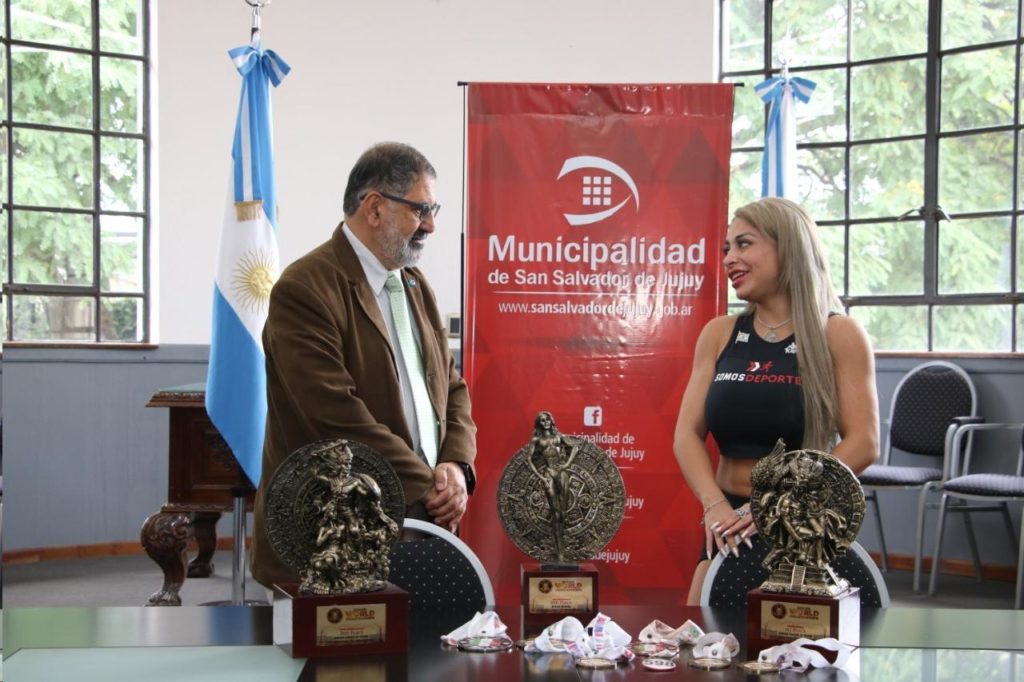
{"type": "Point", "coordinates": [961, 440]}
{"type": "Point", "coordinates": [874, 592]}
{"type": "Point", "coordinates": [728, 580]}
{"type": "Point", "coordinates": [924, 404]}
{"type": "Point", "coordinates": [439, 571]}
{"type": "Point", "coordinates": [1020, 460]}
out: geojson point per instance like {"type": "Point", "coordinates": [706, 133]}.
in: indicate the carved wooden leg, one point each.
{"type": "Point", "coordinates": [165, 536]}
{"type": "Point", "coordinates": [205, 526]}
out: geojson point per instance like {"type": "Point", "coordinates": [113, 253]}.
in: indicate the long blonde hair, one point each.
{"type": "Point", "coordinates": [804, 275]}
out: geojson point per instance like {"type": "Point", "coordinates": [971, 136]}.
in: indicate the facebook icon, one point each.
{"type": "Point", "coordinates": [592, 415]}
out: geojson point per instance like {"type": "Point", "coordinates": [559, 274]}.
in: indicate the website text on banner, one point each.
{"type": "Point", "coordinates": [595, 219]}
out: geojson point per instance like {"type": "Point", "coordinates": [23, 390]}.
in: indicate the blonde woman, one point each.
{"type": "Point", "coordinates": [791, 366]}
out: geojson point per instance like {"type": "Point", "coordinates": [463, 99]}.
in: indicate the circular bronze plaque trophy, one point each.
{"type": "Point", "coordinates": [561, 500]}
{"type": "Point", "coordinates": [808, 507]}
{"type": "Point", "coordinates": [333, 511]}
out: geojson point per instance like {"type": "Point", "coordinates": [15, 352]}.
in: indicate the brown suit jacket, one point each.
{"type": "Point", "coordinates": [331, 374]}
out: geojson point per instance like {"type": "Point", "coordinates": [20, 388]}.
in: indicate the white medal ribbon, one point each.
{"type": "Point", "coordinates": [609, 639]}
{"type": "Point", "coordinates": [486, 624]}
{"type": "Point", "coordinates": [661, 633]}
{"type": "Point", "coordinates": [716, 645]}
{"type": "Point", "coordinates": [602, 638]}
{"type": "Point", "coordinates": [795, 655]}
{"type": "Point", "coordinates": [557, 636]}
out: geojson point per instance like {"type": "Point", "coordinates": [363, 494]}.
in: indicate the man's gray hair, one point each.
{"type": "Point", "coordinates": [390, 167]}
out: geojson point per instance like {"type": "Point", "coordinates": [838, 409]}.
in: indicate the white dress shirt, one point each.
{"type": "Point", "coordinates": [376, 273]}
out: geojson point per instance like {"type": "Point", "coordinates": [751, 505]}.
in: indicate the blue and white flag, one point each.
{"type": "Point", "coordinates": [247, 267]}
{"type": "Point", "coordinates": [778, 167]}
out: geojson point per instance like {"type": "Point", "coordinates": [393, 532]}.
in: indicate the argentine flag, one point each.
{"type": "Point", "coordinates": [247, 266]}
{"type": "Point", "coordinates": [778, 167]}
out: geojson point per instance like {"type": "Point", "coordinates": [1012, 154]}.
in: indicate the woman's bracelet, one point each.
{"type": "Point", "coordinates": [708, 508]}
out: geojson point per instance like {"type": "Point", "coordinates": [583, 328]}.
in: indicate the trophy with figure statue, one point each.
{"type": "Point", "coordinates": [561, 500]}
{"type": "Point", "coordinates": [334, 510]}
{"type": "Point", "coordinates": [808, 506]}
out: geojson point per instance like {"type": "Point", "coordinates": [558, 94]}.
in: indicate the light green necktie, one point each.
{"type": "Point", "coordinates": [425, 421]}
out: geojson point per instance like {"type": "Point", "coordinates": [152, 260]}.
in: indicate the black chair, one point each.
{"type": "Point", "coordinates": [995, 490]}
{"type": "Point", "coordinates": [728, 579]}
{"type": "Point", "coordinates": [926, 401]}
{"type": "Point", "coordinates": [439, 571]}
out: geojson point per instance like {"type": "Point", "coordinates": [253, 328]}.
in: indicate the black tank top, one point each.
{"type": "Point", "coordinates": [755, 397]}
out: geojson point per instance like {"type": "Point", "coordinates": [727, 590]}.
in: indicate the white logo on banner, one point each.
{"type": "Point", "coordinates": [592, 415]}
{"type": "Point", "coordinates": [597, 189]}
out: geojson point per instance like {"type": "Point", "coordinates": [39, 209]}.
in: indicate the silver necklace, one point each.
{"type": "Point", "coordinates": [771, 336]}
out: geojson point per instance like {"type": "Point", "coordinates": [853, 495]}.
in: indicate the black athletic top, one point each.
{"type": "Point", "coordinates": [755, 397]}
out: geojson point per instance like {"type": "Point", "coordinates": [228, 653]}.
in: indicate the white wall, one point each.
{"type": "Point", "coordinates": [364, 72]}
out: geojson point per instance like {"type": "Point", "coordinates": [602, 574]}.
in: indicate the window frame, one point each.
{"type": "Point", "coordinates": [11, 210]}
{"type": "Point", "coordinates": [930, 212]}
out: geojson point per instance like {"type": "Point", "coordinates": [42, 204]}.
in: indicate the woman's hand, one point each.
{"type": "Point", "coordinates": [726, 529]}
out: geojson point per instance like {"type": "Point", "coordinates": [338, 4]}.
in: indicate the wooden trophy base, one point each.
{"type": "Point", "coordinates": [550, 593]}
{"type": "Point", "coordinates": [309, 626]}
{"type": "Point", "coordinates": [775, 618]}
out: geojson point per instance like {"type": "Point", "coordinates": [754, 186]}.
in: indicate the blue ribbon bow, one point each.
{"type": "Point", "coordinates": [773, 92]}
{"type": "Point", "coordinates": [273, 67]}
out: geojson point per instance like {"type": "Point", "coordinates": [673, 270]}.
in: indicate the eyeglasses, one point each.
{"type": "Point", "coordinates": [422, 209]}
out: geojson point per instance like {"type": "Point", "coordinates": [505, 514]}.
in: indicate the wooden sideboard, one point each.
{"type": "Point", "coordinates": [203, 478]}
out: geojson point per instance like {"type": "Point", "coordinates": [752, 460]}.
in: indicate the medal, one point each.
{"type": "Point", "coordinates": [759, 667]}
{"type": "Point", "coordinates": [659, 664]}
{"type": "Point", "coordinates": [656, 649]}
{"type": "Point", "coordinates": [557, 644]}
{"type": "Point", "coordinates": [708, 663]}
{"type": "Point", "coordinates": [485, 644]}
{"type": "Point", "coordinates": [595, 663]}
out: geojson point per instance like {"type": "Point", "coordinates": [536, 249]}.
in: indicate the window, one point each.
{"type": "Point", "coordinates": [74, 170]}
{"type": "Point", "coordinates": [909, 155]}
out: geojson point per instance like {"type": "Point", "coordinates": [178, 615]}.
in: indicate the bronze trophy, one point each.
{"type": "Point", "coordinates": [334, 509]}
{"type": "Point", "coordinates": [808, 506]}
{"type": "Point", "coordinates": [561, 500]}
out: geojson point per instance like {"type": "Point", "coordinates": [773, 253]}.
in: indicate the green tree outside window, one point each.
{"type": "Point", "coordinates": [922, 221]}
{"type": "Point", "coordinates": [75, 217]}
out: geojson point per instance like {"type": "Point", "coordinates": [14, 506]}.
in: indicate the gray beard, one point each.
{"type": "Point", "coordinates": [396, 248]}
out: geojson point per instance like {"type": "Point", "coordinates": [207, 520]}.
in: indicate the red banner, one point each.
{"type": "Point", "coordinates": [595, 221]}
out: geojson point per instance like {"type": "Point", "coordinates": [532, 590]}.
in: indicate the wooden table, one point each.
{"type": "Point", "coordinates": [977, 637]}
{"type": "Point", "coordinates": [202, 479]}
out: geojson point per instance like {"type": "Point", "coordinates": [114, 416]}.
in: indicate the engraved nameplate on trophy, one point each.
{"type": "Point", "coordinates": [553, 591]}
{"type": "Point", "coordinates": [333, 513]}
{"type": "Point", "coordinates": [808, 506]}
{"type": "Point", "coordinates": [314, 626]}
{"type": "Point", "coordinates": [561, 500]}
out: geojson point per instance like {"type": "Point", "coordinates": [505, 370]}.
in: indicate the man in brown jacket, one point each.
{"type": "Point", "coordinates": [335, 368]}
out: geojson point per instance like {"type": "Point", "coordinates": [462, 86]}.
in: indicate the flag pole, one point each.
{"type": "Point", "coordinates": [247, 266]}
